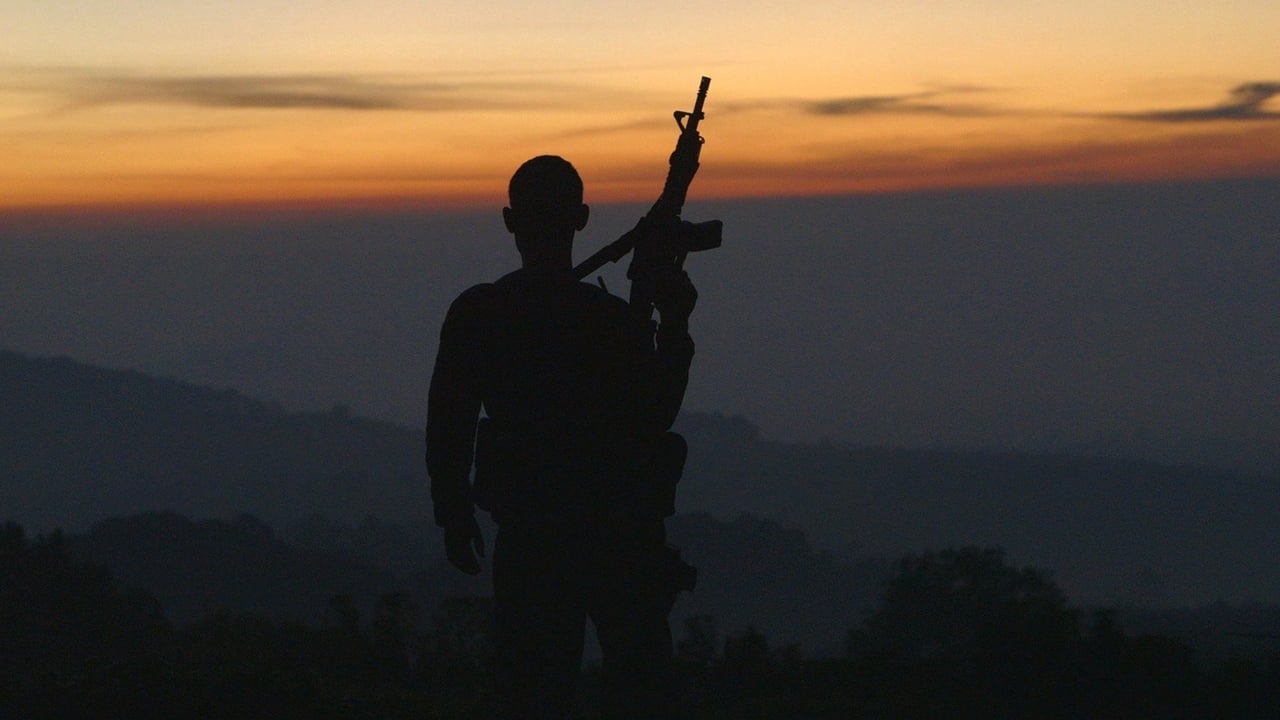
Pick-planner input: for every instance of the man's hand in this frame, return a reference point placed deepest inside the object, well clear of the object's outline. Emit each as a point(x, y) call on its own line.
point(463, 541)
point(674, 296)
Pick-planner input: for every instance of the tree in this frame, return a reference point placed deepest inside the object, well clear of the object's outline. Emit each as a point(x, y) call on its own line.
point(701, 644)
point(970, 635)
point(966, 603)
point(72, 641)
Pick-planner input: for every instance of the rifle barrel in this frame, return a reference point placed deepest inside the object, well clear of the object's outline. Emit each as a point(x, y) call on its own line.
point(702, 97)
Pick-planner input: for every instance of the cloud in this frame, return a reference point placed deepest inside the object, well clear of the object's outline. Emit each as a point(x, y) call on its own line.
point(920, 103)
point(937, 100)
point(315, 92)
point(1245, 102)
point(649, 124)
point(934, 101)
point(80, 89)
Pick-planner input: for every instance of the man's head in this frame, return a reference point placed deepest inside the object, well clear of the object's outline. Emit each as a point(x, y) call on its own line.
point(546, 207)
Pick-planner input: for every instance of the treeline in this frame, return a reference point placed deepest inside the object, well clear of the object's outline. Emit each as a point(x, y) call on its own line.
point(75, 643)
point(958, 634)
point(751, 570)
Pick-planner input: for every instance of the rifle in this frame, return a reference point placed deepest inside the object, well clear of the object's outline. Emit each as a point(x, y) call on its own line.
point(661, 239)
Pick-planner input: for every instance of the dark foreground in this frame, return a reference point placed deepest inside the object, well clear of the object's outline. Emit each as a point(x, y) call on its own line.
point(959, 635)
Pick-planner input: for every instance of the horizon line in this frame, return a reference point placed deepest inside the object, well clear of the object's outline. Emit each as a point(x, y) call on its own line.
point(216, 210)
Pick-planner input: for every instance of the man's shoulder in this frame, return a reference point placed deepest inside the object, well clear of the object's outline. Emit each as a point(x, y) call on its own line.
point(473, 302)
point(601, 309)
point(518, 297)
point(479, 292)
point(520, 285)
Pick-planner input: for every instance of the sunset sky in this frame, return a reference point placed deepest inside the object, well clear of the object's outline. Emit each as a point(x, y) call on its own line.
point(946, 224)
point(148, 102)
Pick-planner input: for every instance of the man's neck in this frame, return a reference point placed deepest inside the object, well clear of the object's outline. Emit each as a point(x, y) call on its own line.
point(549, 260)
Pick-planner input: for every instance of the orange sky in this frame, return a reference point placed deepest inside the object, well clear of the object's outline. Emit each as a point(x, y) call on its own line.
point(271, 101)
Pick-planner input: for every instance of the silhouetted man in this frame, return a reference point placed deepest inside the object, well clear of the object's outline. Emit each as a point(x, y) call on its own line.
point(578, 393)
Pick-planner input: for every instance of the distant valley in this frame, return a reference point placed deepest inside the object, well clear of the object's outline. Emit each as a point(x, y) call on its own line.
point(80, 444)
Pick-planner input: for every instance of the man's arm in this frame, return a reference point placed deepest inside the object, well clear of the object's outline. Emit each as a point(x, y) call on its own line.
point(453, 408)
point(674, 299)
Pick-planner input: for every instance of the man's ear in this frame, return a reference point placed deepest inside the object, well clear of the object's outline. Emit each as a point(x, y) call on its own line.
point(508, 219)
point(580, 218)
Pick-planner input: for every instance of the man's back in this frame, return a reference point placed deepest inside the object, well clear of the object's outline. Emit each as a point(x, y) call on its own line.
point(566, 377)
point(561, 354)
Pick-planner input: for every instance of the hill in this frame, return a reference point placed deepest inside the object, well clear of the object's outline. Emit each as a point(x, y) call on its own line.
point(1111, 530)
point(80, 443)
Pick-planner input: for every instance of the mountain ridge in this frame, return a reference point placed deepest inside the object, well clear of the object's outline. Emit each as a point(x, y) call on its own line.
point(79, 444)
